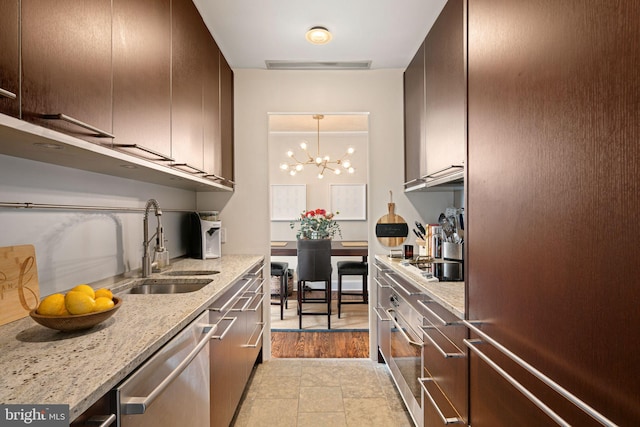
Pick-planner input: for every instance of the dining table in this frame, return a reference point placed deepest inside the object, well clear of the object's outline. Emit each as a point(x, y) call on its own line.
point(338, 248)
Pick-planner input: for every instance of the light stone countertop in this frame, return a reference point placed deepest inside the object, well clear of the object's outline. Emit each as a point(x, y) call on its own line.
point(450, 295)
point(45, 366)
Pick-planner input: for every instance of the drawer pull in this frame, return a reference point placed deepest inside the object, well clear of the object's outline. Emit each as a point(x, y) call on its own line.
point(188, 166)
point(445, 420)
point(377, 311)
point(259, 304)
point(101, 420)
point(402, 287)
point(380, 284)
point(437, 347)
point(438, 318)
point(215, 177)
point(440, 173)
point(77, 122)
point(161, 156)
point(223, 334)
point(536, 373)
point(7, 94)
point(233, 298)
point(401, 329)
point(255, 344)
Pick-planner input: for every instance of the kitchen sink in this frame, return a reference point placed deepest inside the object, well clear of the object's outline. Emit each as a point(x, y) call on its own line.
point(191, 273)
point(168, 286)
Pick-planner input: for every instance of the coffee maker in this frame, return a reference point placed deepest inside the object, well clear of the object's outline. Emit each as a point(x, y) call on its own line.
point(205, 235)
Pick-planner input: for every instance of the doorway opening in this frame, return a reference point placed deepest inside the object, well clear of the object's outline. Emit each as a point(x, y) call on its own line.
point(343, 194)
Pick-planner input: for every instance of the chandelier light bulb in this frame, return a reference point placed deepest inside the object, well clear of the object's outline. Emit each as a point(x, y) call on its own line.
point(337, 171)
point(299, 167)
point(327, 158)
point(346, 164)
point(351, 170)
point(303, 145)
point(292, 172)
point(350, 150)
point(284, 166)
point(318, 160)
point(289, 153)
point(320, 176)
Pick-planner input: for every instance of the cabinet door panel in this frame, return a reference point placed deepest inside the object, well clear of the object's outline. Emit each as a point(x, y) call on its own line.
point(187, 77)
point(211, 109)
point(553, 181)
point(142, 74)
point(66, 64)
point(414, 118)
point(445, 89)
point(226, 117)
point(9, 58)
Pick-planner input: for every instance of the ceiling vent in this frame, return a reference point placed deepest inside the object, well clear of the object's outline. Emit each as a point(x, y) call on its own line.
point(318, 65)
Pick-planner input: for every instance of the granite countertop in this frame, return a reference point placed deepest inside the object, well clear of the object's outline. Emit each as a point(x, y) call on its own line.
point(451, 295)
point(44, 366)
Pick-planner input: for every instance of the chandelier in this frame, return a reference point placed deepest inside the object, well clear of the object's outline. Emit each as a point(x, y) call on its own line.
point(323, 163)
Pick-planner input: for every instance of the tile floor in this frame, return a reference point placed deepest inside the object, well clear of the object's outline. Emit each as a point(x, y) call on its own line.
point(321, 393)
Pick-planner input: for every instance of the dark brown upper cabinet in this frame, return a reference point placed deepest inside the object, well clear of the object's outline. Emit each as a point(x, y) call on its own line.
point(445, 88)
point(188, 35)
point(211, 109)
point(226, 118)
point(414, 120)
point(435, 104)
point(9, 58)
point(66, 66)
point(142, 77)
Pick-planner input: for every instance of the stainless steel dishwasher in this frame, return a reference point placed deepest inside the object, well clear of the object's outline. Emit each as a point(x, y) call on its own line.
point(172, 387)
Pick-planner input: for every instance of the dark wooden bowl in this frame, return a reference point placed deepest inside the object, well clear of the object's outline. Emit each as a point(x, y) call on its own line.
point(76, 322)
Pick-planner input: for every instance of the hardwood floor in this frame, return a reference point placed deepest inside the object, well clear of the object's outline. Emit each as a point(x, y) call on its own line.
point(319, 344)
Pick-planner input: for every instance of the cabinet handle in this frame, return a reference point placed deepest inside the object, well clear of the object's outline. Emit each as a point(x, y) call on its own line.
point(259, 336)
point(437, 347)
point(223, 334)
point(101, 420)
point(233, 298)
point(186, 165)
point(402, 287)
point(536, 373)
point(139, 404)
point(244, 306)
point(146, 150)
point(436, 174)
point(445, 420)
point(7, 94)
point(262, 295)
point(380, 269)
point(412, 181)
point(215, 177)
point(380, 284)
point(404, 334)
point(438, 318)
point(77, 122)
point(377, 310)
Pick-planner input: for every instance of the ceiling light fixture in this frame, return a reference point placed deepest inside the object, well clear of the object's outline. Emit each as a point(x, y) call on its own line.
point(318, 35)
point(321, 162)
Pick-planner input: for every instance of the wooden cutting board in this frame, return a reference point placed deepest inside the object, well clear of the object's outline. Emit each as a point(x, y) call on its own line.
point(19, 289)
point(391, 218)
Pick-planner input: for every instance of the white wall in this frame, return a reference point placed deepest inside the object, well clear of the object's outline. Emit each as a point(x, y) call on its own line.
point(74, 247)
point(259, 92)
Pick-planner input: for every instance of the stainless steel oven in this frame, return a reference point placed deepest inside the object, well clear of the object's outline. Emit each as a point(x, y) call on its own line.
point(406, 343)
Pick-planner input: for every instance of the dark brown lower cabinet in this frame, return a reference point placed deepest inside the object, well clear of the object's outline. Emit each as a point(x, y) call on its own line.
point(552, 190)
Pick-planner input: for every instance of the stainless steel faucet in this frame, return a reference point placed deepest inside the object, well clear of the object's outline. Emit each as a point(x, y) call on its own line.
point(159, 235)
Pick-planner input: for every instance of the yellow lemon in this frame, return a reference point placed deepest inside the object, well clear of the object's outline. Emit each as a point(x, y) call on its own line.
point(103, 303)
point(79, 302)
point(85, 289)
point(103, 292)
point(52, 305)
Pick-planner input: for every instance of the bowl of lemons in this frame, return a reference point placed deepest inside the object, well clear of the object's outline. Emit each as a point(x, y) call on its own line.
point(80, 308)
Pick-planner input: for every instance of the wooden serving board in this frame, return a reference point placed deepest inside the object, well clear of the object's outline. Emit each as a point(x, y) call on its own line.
point(19, 289)
point(388, 219)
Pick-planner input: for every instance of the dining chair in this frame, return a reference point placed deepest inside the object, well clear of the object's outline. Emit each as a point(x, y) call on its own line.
point(314, 265)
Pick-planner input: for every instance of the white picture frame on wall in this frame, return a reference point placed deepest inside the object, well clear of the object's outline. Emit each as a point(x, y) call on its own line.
point(288, 201)
point(350, 200)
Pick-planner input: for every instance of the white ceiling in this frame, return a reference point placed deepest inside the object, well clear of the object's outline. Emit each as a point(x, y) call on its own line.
point(385, 32)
